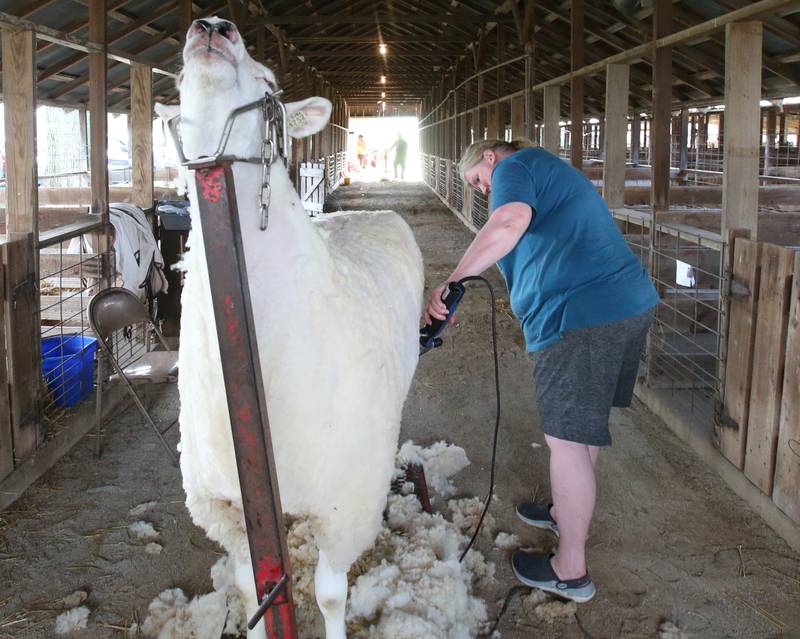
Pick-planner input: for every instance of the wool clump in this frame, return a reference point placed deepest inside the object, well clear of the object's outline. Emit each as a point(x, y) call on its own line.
point(72, 620)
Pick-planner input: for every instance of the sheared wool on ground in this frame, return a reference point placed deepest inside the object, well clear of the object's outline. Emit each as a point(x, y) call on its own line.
point(141, 509)
point(440, 461)
point(72, 620)
point(506, 541)
point(408, 585)
point(143, 531)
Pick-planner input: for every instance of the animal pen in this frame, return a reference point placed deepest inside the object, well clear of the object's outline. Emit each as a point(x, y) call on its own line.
point(684, 115)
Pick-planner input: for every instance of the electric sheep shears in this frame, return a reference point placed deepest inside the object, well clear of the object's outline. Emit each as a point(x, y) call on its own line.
point(429, 334)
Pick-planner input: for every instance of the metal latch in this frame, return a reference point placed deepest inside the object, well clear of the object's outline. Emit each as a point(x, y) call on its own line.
point(26, 288)
point(738, 289)
point(274, 591)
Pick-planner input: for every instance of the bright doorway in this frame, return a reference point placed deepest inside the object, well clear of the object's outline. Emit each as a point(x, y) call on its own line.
point(380, 135)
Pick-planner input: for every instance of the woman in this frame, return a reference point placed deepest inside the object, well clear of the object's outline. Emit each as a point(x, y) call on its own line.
point(584, 302)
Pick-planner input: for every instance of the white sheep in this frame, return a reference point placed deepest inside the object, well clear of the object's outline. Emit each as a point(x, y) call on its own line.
point(336, 304)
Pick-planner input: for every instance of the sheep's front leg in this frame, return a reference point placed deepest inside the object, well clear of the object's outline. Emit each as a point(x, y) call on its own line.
point(330, 589)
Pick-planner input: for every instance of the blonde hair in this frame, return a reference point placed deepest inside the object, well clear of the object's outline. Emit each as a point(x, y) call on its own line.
point(474, 152)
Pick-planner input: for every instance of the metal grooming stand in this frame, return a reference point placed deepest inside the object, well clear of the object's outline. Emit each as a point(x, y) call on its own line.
point(241, 371)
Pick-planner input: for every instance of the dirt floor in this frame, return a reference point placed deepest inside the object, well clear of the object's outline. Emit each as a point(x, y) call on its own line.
point(670, 542)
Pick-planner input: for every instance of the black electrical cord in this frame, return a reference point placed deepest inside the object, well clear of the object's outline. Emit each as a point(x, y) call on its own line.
point(478, 278)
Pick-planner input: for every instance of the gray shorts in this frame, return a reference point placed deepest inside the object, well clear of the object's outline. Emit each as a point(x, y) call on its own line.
point(580, 377)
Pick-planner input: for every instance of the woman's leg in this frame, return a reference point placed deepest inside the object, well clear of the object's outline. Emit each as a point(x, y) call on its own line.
point(573, 487)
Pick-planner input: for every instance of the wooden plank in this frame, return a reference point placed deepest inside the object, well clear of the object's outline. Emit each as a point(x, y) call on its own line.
point(617, 84)
point(732, 431)
point(743, 44)
point(142, 125)
point(576, 83)
point(769, 357)
point(6, 435)
point(22, 331)
point(19, 97)
point(786, 491)
point(552, 117)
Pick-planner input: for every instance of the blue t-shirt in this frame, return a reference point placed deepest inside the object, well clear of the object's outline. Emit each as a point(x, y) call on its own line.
point(571, 268)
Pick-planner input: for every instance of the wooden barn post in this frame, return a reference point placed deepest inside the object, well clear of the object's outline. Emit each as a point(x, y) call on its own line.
point(662, 109)
point(142, 123)
point(552, 118)
point(20, 391)
point(576, 83)
point(616, 130)
point(743, 117)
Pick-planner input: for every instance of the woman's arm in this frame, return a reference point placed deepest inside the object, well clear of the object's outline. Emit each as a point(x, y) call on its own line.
point(495, 240)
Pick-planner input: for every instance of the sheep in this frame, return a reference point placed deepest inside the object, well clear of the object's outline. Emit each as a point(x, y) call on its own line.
point(336, 304)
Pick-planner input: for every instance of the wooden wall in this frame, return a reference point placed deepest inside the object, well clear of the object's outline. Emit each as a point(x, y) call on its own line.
point(759, 429)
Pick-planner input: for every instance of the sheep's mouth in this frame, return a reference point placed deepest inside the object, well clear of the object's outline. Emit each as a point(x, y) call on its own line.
point(208, 49)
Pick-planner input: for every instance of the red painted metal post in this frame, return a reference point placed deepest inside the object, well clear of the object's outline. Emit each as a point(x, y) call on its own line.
point(241, 370)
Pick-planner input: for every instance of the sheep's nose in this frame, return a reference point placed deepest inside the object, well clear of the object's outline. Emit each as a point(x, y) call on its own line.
point(226, 30)
point(199, 26)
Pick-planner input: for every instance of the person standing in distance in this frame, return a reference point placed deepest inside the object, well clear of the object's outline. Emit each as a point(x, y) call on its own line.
point(585, 305)
point(400, 147)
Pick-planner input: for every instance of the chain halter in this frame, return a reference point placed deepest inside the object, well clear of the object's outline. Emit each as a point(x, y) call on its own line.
point(274, 144)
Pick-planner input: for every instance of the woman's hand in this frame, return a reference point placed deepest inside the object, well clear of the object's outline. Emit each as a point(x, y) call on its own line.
point(436, 308)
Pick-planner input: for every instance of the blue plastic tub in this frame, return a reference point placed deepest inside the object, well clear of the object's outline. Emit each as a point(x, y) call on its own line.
point(68, 367)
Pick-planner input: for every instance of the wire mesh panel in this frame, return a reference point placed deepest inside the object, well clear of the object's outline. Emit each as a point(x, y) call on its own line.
point(441, 177)
point(684, 346)
point(457, 196)
point(70, 273)
point(480, 208)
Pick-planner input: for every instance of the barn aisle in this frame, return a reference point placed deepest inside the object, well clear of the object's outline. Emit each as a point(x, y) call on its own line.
point(670, 540)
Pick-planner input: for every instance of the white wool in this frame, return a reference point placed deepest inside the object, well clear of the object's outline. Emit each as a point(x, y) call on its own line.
point(172, 616)
point(72, 620)
point(553, 611)
point(467, 514)
point(538, 605)
point(153, 548)
point(143, 531)
point(141, 509)
point(419, 589)
point(670, 630)
point(506, 541)
point(441, 461)
point(334, 394)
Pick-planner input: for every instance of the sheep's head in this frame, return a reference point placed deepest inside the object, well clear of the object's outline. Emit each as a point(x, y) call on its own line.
point(218, 76)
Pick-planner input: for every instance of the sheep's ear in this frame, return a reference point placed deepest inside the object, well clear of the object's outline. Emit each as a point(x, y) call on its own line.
point(307, 117)
point(166, 111)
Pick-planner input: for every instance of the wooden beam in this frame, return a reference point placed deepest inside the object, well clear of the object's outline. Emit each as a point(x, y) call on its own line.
point(616, 132)
point(743, 127)
point(19, 96)
point(662, 109)
point(136, 24)
point(396, 18)
point(576, 83)
point(185, 17)
point(142, 139)
point(552, 117)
